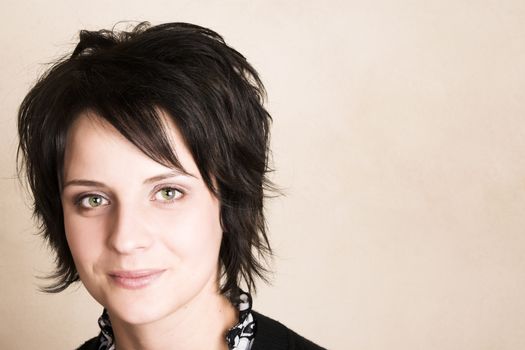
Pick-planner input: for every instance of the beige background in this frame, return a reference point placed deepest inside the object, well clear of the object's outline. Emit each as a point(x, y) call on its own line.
point(399, 137)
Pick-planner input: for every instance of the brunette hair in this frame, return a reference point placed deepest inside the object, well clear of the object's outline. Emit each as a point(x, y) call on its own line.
point(213, 95)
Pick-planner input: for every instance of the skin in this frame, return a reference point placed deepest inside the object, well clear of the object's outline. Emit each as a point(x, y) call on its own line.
point(126, 214)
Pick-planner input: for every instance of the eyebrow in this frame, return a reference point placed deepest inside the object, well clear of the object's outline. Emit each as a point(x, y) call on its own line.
point(171, 174)
point(174, 173)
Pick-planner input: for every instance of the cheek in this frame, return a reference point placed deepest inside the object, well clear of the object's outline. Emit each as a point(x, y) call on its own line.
point(84, 238)
point(194, 233)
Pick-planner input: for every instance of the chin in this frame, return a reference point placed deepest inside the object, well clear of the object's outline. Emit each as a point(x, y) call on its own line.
point(138, 312)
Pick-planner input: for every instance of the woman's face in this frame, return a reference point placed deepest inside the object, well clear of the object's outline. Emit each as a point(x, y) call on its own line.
point(145, 238)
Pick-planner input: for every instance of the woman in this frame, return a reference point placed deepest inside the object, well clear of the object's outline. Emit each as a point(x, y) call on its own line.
point(147, 153)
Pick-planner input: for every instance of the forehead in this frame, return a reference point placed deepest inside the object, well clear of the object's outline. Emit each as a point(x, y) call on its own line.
point(93, 144)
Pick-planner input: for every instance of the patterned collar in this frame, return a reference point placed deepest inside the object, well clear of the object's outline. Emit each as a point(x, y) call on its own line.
point(239, 337)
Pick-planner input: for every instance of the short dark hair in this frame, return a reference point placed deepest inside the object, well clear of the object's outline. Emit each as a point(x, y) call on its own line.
point(210, 91)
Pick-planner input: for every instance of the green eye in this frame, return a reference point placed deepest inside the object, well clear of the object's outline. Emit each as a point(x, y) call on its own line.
point(168, 194)
point(93, 201)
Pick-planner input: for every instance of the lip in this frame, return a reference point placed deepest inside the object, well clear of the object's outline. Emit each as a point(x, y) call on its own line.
point(135, 279)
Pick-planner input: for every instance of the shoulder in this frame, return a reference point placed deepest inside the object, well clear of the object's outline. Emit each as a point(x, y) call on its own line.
point(91, 344)
point(271, 334)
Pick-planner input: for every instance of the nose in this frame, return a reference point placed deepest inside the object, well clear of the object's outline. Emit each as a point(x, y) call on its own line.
point(129, 234)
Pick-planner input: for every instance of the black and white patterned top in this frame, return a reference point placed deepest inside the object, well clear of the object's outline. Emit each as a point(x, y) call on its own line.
point(239, 337)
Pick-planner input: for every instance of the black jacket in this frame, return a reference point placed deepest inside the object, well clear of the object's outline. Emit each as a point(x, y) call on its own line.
point(273, 335)
point(270, 335)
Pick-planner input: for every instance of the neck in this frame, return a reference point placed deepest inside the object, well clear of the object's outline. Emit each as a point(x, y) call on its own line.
point(201, 324)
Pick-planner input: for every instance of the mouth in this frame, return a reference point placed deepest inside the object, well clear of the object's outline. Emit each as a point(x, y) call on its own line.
point(135, 279)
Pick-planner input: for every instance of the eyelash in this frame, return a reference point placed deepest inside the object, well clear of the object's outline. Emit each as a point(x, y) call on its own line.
point(82, 197)
point(172, 188)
